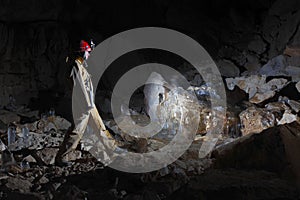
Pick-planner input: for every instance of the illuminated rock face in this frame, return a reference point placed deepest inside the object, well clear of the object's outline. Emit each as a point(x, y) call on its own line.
point(155, 92)
point(255, 120)
point(256, 86)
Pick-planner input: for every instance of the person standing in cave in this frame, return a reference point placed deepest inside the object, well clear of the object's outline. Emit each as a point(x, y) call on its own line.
point(74, 134)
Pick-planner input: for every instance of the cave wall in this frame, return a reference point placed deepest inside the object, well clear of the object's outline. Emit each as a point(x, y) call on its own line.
point(37, 36)
point(33, 48)
point(32, 58)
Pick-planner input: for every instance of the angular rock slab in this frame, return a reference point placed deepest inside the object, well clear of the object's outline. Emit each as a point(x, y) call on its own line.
point(255, 120)
point(256, 86)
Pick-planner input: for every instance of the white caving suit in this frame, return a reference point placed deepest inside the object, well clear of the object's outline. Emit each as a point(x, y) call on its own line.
point(89, 127)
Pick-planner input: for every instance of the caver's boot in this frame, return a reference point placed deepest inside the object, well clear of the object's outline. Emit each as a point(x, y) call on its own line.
point(69, 144)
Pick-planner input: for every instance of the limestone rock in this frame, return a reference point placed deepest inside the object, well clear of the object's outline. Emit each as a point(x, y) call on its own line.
point(257, 45)
point(295, 105)
point(255, 120)
point(73, 155)
point(260, 97)
point(292, 51)
point(3, 127)
point(16, 183)
point(294, 72)
point(29, 114)
point(283, 33)
point(47, 155)
point(197, 80)
point(8, 117)
point(228, 69)
point(293, 61)
point(30, 159)
point(253, 63)
point(287, 118)
point(2, 146)
point(50, 126)
point(279, 66)
point(43, 180)
point(227, 52)
point(38, 141)
point(256, 86)
point(61, 123)
point(275, 67)
point(276, 106)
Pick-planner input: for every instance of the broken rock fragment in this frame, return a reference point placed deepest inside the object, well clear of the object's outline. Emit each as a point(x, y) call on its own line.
point(8, 117)
point(257, 45)
point(38, 141)
point(256, 86)
point(30, 159)
point(46, 125)
point(287, 118)
point(255, 120)
point(61, 123)
point(19, 184)
point(7, 159)
point(47, 155)
point(277, 108)
point(295, 105)
point(279, 66)
point(292, 51)
point(50, 126)
point(73, 155)
point(228, 69)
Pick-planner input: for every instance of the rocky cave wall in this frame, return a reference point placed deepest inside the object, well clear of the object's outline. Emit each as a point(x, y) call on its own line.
point(36, 36)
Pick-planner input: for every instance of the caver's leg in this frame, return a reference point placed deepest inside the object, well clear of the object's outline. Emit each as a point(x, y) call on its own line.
point(97, 139)
point(72, 138)
point(94, 114)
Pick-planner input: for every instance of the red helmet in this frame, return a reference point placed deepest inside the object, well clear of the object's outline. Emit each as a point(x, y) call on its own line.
point(84, 46)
